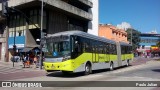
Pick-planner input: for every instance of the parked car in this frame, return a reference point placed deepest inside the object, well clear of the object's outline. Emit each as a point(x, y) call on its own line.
point(15, 58)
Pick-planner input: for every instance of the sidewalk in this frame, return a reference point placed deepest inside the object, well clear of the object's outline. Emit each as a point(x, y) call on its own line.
point(17, 65)
point(10, 64)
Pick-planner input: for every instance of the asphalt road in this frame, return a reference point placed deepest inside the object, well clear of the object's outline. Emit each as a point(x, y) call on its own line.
point(8, 72)
point(149, 70)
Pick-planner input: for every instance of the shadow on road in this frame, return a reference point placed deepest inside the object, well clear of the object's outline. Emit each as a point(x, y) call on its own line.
point(108, 70)
point(156, 70)
point(72, 75)
point(61, 75)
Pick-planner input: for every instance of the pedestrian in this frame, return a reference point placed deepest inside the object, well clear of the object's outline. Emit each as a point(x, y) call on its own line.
point(26, 61)
point(35, 61)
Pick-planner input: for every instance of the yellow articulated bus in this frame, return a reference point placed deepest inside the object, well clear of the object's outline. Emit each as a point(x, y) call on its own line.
point(77, 51)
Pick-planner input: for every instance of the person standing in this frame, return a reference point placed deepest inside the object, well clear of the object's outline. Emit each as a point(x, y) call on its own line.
point(28, 60)
point(25, 61)
point(35, 61)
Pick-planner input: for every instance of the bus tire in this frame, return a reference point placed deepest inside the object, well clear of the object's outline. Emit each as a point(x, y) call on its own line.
point(87, 69)
point(127, 63)
point(111, 66)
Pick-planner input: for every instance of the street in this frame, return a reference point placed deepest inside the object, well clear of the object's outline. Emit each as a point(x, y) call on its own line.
point(140, 70)
point(88, 44)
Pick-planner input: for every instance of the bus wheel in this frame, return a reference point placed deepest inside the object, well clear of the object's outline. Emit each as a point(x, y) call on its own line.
point(87, 69)
point(111, 66)
point(127, 63)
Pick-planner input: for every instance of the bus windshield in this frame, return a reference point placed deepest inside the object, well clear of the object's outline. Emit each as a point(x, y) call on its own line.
point(57, 49)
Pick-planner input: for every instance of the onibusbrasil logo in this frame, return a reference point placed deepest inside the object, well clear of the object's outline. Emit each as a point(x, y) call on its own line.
point(21, 84)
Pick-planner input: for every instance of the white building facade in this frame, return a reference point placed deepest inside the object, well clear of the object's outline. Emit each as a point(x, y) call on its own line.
point(95, 20)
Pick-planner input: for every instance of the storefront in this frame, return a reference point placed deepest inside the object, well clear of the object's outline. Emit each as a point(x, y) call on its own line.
point(146, 52)
point(155, 51)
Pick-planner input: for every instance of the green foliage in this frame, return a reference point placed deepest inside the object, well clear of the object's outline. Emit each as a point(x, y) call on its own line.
point(158, 44)
point(135, 34)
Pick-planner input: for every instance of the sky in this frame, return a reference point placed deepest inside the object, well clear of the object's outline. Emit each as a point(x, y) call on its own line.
point(142, 15)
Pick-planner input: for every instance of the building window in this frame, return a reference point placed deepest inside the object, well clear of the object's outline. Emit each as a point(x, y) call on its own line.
point(16, 25)
point(112, 33)
point(19, 33)
point(143, 46)
point(11, 34)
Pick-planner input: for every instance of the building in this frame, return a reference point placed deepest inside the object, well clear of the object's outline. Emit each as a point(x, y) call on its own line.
point(58, 15)
point(111, 32)
point(2, 38)
point(93, 25)
point(148, 44)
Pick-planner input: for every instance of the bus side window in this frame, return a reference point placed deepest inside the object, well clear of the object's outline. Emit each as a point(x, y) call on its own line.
point(75, 47)
point(72, 44)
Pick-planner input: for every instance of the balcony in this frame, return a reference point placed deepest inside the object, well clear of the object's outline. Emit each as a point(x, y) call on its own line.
point(55, 3)
point(87, 2)
point(69, 8)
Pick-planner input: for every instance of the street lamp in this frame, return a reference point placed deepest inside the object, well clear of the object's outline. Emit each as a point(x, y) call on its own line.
point(38, 41)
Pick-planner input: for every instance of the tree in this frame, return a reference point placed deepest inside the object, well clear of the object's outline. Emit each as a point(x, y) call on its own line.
point(158, 44)
point(135, 36)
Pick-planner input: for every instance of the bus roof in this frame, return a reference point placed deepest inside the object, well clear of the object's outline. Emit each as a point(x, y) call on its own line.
point(83, 34)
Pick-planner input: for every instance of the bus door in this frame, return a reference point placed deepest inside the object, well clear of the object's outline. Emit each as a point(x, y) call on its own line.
point(94, 54)
point(107, 59)
point(104, 55)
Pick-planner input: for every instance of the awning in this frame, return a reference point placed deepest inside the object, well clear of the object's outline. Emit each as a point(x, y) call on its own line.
point(148, 51)
point(26, 49)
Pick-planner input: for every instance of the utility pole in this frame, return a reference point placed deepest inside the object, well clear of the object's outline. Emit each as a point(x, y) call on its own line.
point(41, 45)
point(131, 36)
point(14, 45)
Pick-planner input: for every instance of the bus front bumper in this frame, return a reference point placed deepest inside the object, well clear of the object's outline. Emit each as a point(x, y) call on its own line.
point(60, 66)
